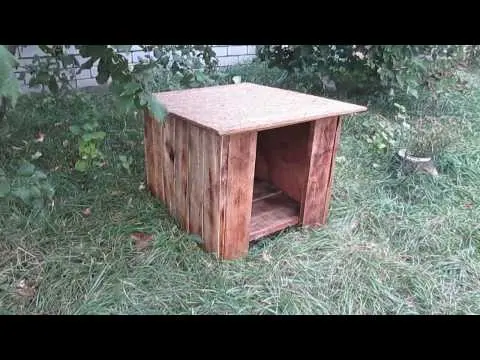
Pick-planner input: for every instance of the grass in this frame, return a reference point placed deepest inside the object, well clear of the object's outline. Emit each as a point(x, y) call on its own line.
point(394, 244)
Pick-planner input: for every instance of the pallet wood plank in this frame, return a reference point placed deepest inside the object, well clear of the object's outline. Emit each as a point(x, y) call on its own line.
point(180, 170)
point(272, 213)
point(196, 179)
point(211, 192)
point(168, 150)
point(321, 152)
point(157, 137)
point(239, 195)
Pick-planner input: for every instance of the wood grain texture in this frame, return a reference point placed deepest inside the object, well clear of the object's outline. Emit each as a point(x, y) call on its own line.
point(263, 190)
point(239, 195)
point(211, 192)
point(181, 167)
point(157, 145)
point(321, 153)
point(168, 151)
point(336, 145)
point(238, 108)
point(272, 211)
point(196, 179)
point(282, 158)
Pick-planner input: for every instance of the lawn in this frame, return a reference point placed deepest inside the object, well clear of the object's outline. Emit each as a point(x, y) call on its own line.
point(395, 242)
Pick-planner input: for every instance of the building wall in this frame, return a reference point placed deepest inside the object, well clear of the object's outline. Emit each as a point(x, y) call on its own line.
point(227, 55)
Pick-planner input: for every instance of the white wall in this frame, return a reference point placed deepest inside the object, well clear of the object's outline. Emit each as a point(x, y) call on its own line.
point(227, 55)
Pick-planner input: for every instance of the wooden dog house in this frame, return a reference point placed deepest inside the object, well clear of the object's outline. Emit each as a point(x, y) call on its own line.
point(238, 162)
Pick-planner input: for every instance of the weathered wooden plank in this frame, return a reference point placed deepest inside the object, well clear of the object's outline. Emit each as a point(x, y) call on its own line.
point(263, 190)
point(272, 214)
point(211, 195)
point(239, 195)
point(196, 179)
point(336, 145)
point(168, 163)
point(180, 170)
point(224, 159)
point(157, 141)
point(321, 152)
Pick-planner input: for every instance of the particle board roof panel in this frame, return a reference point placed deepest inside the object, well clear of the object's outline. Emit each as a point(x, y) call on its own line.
point(236, 108)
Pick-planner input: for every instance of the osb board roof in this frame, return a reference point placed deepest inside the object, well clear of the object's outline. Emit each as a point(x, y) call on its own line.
point(236, 108)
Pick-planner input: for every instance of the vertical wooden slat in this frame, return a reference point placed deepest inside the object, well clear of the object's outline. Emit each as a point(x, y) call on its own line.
point(168, 150)
point(321, 152)
point(196, 183)
point(224, 151)
point(211, 195)
point(157, 141)
point(180, 169)
point(332, 167)
point(239, 195)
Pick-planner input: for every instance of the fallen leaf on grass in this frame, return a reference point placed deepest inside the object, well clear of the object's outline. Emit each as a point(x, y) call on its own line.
point(39, 137)
point(141, 240)
point(354, 225)
point(468, 206)
point(25, 290)
point(266, 256)
point(87, 211)
point(36, 155)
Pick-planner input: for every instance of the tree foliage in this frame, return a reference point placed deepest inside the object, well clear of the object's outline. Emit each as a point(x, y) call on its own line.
point(131, 83)
point(392, 69)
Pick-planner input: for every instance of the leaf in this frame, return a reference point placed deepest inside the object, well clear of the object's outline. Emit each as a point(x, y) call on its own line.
point(37, 155)
point(23, 193)
point(158, 109)
point(68, 60)
point(200, 77)
point(141, 240)
point(4, 187)
point(26, 169)
point(92, 50)
point(131, 88)
point(53, 85)
point(39, 174)
point(98, 135)
point(75, 129)
point(87, 137)
point(39, 137)
point(103, 71)
point(87, 212)
point(414, 93)
point(25, 290)
point(81, 165)
point(87, 64)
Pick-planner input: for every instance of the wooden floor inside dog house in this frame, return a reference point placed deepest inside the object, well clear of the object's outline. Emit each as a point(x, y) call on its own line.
point(280, 175)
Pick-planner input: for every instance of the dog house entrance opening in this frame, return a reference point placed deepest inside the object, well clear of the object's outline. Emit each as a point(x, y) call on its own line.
point(280, 174)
